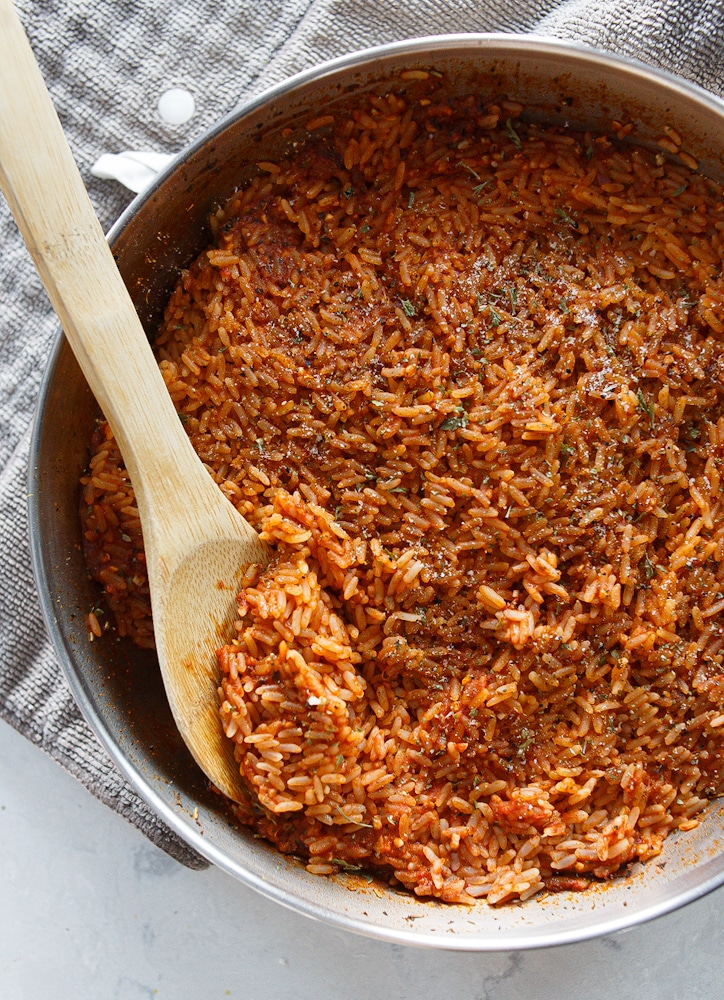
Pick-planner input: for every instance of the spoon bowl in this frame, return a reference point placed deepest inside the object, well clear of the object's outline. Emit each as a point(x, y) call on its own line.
point(197, 545)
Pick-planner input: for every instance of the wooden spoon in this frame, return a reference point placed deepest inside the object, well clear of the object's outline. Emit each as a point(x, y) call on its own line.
point(197, 545)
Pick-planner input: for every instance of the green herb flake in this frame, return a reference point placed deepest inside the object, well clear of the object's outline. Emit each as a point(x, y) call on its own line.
point(646, 407)
point(411, 199)
point(649, 568)
point(562, 214)
point(407, 307)
point(679, 190)
point(495, 318)
point(350, 820)
point(345, 866)
point(466, 166)
point(512, 134)
point(454, 421)
point(526, 742)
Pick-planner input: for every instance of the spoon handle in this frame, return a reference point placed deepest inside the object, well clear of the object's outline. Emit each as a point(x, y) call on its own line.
point(197, 545)
point(44, 189)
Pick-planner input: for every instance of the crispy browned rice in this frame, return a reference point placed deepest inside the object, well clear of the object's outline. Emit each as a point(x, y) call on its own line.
point(466, 374)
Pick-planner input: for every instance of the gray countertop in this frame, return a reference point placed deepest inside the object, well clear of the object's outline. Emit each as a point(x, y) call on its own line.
point(90, 909)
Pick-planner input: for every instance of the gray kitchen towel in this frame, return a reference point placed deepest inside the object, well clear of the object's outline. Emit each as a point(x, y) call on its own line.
point(107, 63)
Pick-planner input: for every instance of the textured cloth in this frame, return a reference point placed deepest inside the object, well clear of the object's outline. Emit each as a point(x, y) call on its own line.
point(106, 65)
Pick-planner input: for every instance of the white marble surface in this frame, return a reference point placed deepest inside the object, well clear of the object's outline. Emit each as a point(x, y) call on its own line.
point(90, 909)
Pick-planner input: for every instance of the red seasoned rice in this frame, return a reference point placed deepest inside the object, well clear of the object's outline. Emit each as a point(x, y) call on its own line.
point(465, 374)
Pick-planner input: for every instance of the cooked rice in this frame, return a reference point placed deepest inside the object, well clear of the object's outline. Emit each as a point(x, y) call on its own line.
point(465, 374)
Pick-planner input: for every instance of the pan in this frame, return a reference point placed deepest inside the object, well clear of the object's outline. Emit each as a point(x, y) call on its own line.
point(118, 686)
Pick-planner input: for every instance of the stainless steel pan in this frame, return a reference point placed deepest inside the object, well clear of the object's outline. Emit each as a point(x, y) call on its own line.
point(118, 687)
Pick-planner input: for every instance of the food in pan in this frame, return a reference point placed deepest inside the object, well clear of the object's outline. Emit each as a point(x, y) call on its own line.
point(464, 372)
